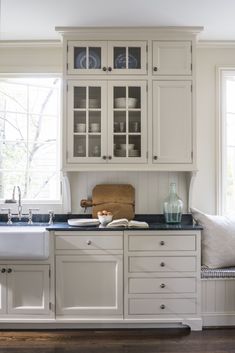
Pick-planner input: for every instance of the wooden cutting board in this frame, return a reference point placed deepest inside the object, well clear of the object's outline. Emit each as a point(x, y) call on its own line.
point(116, 198)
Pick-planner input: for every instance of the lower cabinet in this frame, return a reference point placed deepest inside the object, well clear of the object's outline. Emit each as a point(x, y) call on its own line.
point(24, 289)
point(162, 276)
point(89, 285)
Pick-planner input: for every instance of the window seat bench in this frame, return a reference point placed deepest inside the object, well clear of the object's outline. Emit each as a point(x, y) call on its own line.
point(218, 296)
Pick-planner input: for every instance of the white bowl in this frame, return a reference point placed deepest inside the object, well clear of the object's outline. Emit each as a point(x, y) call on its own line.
point(121, 102)
point(92, 103)
point(80, 127)
point(105, 219)
point(130, 146)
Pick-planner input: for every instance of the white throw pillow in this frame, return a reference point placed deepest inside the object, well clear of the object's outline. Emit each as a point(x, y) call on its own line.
point(218, 239)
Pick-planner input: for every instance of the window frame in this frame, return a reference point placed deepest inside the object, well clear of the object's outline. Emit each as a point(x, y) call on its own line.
point(45, 205)
point(220, 142)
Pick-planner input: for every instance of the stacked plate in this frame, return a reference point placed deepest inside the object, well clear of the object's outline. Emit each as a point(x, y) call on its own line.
point(134, 153)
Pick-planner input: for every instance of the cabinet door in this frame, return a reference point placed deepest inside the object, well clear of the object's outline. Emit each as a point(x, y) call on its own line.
point(87, 113)
point(127, 122)
point(172, 122)
point(28, 289)
point(127, 57)
point(89, 285)
point(87, 57)
point(3, 290)
point(172, 58)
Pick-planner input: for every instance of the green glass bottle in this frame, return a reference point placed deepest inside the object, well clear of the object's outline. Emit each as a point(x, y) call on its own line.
point(173, 206)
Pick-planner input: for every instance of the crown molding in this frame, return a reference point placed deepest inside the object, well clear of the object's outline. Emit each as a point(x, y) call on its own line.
point(30, 43)
point(216, 44)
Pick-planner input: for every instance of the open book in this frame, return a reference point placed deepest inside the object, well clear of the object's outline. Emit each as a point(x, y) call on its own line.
point(123, 222)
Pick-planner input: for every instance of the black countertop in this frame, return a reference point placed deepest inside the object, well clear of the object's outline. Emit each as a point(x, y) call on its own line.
point(152, 226)
point(156, 222)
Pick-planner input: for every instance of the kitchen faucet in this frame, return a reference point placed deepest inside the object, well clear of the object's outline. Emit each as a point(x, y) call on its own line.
point(19, 201)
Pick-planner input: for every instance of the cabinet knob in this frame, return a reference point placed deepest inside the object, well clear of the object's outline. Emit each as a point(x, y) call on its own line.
point(155, 68)
point(109, 68)
point(3, 270)
point(109, 157)
point(162, 306)
point(88, 242)
point(155, 157)
point(162, 242)
point(9, 270)
point(162, 285)
point(104, 157)
point(104, 68)
point(162, 264)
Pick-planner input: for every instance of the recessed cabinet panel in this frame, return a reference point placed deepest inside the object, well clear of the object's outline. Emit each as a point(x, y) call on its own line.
point(89, 285)
point(28, 289)
point(87, 57)
point(172, 58)
point(172, 122)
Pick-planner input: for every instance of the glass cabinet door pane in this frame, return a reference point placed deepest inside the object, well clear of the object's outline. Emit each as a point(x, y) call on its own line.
point(127, 57)
point(127, 121)
point(87, 122)
point(87, 58)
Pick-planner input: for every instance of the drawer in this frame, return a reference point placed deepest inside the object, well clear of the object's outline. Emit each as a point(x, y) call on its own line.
point(162, 243)
point(162, 263)
point(174, 307)
point(89, 242)
point(161, 285)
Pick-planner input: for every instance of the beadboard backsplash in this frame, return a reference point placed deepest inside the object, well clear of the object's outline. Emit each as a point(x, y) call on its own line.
point(151, 188)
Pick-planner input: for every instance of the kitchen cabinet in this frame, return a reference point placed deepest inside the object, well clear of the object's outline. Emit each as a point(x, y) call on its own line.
point(172, 122)
point(106, 57)
point(172, 58)
point(25, 289)
point(89, 275)
point(112, 130)
point(162, 276)
point(154, 65)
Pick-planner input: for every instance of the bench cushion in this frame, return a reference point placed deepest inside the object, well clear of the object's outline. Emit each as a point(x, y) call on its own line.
point(228, 272)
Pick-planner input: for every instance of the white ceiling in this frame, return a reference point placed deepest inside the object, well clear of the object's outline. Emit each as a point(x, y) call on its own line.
point(36, 19)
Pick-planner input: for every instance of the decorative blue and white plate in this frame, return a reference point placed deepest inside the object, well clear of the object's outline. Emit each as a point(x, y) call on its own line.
point(120, 62)
point(93, 60)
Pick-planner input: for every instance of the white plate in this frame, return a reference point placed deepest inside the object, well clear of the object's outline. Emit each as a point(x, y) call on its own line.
point(83, 222)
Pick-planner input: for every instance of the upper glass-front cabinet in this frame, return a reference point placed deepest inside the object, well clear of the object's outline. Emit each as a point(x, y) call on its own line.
point(100, 57)
point(106, 122)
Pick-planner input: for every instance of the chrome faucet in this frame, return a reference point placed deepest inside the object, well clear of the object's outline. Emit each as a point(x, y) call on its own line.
point(19, 201)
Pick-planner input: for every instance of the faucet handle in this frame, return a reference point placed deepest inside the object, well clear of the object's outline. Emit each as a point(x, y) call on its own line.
point(51, 216)
point(9, 214)
point(30, 221)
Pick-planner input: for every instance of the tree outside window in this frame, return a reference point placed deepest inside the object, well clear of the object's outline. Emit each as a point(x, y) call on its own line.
point(29, 137)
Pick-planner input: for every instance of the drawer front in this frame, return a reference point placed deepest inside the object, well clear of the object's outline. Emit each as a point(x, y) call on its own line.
point(162, 243)
point(174, 307)
point(161, 264)
point(89, 242)
point(161, 285)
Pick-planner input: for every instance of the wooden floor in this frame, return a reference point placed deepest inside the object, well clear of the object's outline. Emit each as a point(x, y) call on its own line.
point(119, 341)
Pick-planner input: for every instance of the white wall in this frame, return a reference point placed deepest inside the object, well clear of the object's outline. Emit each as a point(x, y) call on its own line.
point(208, 59)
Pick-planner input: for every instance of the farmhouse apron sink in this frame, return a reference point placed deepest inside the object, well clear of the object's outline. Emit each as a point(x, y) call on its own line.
point(24, 243)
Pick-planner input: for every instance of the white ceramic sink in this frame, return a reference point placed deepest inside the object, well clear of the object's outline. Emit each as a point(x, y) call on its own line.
point(24, 243)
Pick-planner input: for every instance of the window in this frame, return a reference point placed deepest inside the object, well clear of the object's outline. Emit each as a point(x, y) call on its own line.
point(227, 142)
point(29, 138)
